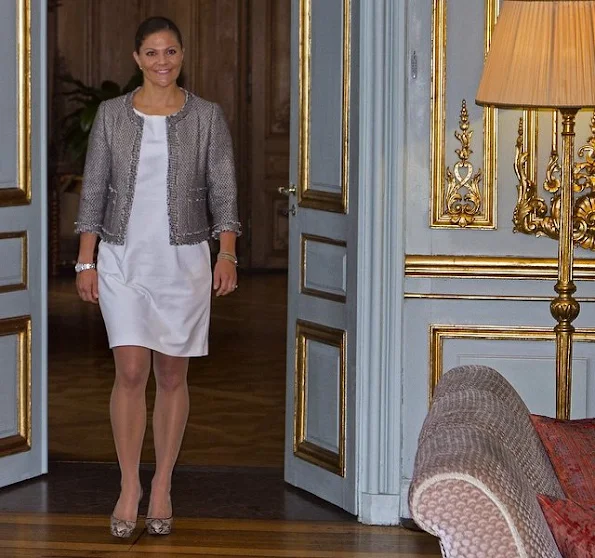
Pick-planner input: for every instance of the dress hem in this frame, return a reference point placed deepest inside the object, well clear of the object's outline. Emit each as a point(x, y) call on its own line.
point(152, 347)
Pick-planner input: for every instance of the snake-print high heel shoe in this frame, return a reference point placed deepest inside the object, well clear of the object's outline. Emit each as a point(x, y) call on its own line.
point(157, 526)
point(122, 528)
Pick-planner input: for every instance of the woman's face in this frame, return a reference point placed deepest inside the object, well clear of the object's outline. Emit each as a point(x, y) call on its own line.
point(160, 58)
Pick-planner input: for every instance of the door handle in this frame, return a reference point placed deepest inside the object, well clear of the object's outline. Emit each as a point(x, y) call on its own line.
point(287, 190)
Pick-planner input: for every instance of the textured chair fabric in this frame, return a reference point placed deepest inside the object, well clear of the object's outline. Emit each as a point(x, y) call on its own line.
point(478, 469)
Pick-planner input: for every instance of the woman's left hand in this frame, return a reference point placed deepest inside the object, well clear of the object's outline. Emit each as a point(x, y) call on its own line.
point(225, 278)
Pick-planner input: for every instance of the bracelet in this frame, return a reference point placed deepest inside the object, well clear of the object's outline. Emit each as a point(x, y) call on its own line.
point(227, 256)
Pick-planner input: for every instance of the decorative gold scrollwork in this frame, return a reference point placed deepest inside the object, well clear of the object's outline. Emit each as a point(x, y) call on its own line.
point(533, 215)
point(531, 212)
point(463, 195)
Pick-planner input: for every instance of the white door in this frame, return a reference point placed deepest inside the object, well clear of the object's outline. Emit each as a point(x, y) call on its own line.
point(320, 409)
point(23, 409)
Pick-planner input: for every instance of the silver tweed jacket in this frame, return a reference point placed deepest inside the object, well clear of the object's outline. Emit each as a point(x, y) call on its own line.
point(201, 187)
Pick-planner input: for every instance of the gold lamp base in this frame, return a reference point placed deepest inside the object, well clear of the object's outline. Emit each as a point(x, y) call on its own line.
point(565, 308)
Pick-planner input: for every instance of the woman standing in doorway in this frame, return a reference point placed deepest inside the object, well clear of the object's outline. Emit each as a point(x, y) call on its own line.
point(159, 180)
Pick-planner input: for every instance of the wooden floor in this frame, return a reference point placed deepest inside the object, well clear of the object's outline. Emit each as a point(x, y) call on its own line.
point(62, 536)
point(236, 419)
point(237, 413)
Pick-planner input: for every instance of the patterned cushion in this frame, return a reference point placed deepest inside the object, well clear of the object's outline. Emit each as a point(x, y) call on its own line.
point(570, 445)
point(572, 525)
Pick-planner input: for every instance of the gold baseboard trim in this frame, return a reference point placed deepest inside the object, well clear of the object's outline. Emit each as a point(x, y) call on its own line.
point(493, 267)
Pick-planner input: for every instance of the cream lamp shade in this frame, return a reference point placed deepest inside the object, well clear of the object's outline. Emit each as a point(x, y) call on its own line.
point(542, 55)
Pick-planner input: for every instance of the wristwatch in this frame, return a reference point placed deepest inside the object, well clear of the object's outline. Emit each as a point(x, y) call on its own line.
point(83, 266)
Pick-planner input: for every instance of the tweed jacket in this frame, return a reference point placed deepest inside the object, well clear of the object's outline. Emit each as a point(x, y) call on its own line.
point(201, 187)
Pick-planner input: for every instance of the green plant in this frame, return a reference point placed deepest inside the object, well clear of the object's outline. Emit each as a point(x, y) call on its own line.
point(77, 124)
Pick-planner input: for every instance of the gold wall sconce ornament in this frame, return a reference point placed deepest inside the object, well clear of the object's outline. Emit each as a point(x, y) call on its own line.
point(462, 197)
point(533, 215)
point(543, 56)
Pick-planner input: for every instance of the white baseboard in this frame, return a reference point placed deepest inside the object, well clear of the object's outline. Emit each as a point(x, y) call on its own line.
point(379, 509)
point(405, 484)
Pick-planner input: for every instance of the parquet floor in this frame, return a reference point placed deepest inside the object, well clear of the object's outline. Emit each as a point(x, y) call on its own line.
point(236, 419)
point(237, 392)
point(62, 536)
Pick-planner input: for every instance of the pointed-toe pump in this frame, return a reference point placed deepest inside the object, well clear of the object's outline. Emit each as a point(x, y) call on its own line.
point(157, 526)
point(121, 528)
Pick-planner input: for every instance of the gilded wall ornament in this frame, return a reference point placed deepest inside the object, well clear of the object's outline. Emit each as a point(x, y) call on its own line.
point(533, 215)
point(441, 215)
point(463, 195)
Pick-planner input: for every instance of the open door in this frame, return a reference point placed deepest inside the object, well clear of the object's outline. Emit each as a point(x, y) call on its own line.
point(23, 298)
point(320, 450)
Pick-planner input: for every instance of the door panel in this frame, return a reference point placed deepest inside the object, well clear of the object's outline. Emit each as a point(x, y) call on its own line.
point(320, 451)
point(476, 292)
point(23, 437)
point(269, 132)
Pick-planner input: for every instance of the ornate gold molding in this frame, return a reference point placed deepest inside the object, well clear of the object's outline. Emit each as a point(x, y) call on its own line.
point(307, 196)
point(302, 447)
point(492, 267)
point(533, 214)
point(20, 194)
point(439, 333)
point(463, 195)
point(21, 441)
point(519, 298)
point(440, 215)
point(22, 284)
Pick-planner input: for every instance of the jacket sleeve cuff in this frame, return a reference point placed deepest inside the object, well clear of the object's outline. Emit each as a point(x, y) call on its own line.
point(87, 227)
point(231, 226)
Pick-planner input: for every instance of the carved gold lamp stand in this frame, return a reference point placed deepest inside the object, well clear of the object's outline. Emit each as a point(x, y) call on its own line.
point(570, 220)
point(542, 55)
point(564, 307)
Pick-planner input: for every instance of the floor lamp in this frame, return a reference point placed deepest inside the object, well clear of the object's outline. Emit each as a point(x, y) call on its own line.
point(542, 55)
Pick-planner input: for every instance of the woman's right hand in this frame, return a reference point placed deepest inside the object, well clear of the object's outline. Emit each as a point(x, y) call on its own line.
point(87, 285)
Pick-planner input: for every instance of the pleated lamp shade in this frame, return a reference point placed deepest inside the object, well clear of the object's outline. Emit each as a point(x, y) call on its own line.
point(542, 55)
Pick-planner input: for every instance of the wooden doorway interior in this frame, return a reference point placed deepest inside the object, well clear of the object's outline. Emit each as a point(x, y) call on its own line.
point(237, 54)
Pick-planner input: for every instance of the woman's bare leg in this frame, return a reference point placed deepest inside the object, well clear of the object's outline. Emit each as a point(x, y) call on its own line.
point(169, 422)
point(128, 411)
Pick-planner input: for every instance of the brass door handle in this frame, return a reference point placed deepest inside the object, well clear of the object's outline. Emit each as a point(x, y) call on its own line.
point(287, 190)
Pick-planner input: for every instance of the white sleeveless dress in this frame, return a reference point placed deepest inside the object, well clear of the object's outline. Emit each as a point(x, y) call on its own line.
point(153, 294)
